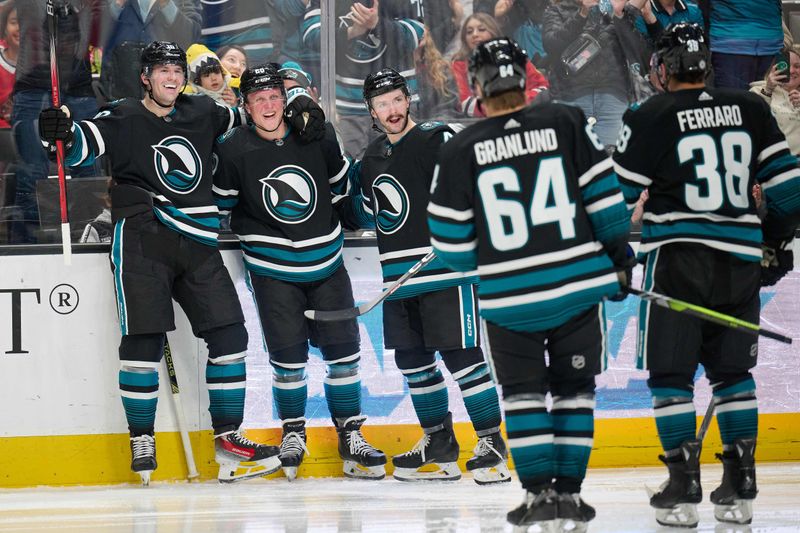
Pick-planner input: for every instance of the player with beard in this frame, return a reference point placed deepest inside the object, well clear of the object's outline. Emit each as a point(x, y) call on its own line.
point(283, 196)
point(165, 246)
point(437, 309)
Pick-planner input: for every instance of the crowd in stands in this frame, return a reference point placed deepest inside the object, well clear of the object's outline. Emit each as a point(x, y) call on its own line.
point(594, 54)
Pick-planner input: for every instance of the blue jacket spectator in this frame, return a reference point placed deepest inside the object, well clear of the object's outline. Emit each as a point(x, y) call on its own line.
point(658, 14)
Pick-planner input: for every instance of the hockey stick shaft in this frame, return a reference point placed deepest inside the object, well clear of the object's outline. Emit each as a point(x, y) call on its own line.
point(346, 314)
point(66, 239)
point(701, 433)
point(679, 306)
point(179, 415)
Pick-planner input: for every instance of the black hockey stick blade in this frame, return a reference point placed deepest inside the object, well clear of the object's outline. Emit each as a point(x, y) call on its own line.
point(716, 317)
point(353, 312)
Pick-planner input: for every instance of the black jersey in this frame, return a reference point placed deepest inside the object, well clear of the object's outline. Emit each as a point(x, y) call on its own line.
point(699, 152)
point(168, 157)
point(395, 182)
point(283, 197)
point(531, 200)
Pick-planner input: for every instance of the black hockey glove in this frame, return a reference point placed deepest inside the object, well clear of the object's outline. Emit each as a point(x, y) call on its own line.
point(776, 262)
point(55, 125)
point(304, 115)
point(625, 274)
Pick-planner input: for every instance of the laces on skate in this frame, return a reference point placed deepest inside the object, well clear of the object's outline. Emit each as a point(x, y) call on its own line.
point(489, 464)
point(240, 458)
point(143, 456)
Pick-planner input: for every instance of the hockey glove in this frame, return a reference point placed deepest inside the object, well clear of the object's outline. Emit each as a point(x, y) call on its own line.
point(55, 125)
point(625, 274)
point(776, 262)
point(304, 115)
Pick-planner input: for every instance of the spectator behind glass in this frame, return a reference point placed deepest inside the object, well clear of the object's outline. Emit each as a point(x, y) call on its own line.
point(207, 76)
point(78, 25)
point(522, 20)
point(744, 35)
point(245, 23)
point(477, 28)
point(782, 90)
point(600, 86)
point(234, 60)
point(135, 23)
point(435, 83)
point(658, 14)
point(289, 17)
point(9, 50)
point(370, 35)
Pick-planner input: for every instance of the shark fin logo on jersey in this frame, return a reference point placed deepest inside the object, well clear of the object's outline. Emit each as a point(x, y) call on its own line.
point(289, 194)
point(391, 204)
point(177, 164)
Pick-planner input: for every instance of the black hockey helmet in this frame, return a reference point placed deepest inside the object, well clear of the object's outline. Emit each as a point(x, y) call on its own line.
point(163, 53)
point(260, 77)
point(498, 66)
point(682, 49)
point(384, 81)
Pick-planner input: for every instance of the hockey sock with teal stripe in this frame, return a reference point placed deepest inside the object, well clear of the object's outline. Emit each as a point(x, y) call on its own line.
point(737, 410)
point(343, 390)
point(530, 438)
point(675, 417)
point(573, 436)
point(428, 395)
point(480, 398)
point(226, 391)
point(289, 391)
point(139, 389)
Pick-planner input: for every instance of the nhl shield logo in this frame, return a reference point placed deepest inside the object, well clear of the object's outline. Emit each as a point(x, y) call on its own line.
point(391, 204)
point(289, 194)
point(177, 164)
point(578, 362)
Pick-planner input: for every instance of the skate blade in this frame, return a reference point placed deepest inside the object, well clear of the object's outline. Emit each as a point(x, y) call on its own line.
point(740, 512)
point(234, 472)
point(290, 472)
point(145, 477)
point(356, 471)
point(571, 526)
point(489, 476)
point(445, 472)
point(682, 515)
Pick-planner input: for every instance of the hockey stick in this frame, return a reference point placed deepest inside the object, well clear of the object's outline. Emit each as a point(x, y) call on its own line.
point(701, 433)
point(66, 239)
point(179, 416)
point(679, 306)
point(353, 312)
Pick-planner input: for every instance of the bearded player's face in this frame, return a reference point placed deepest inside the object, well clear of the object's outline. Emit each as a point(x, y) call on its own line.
point(391, 111)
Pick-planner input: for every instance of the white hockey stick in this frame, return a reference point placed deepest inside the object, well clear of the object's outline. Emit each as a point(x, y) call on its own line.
point(353, 312)
point(179, 416)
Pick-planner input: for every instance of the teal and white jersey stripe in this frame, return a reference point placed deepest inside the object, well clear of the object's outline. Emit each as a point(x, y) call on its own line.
point(433, 277)
point(298, 261)
point(116, 262)
point(198, 223)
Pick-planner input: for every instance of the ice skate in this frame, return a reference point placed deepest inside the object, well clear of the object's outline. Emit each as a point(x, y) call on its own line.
point(537, 512)
point(293, 446)
point(488, 465)
point(361, 460)
point(439, 448)
point(573, 513)
point(240, 458)
point(143, 456)
point(677, 498)
point(733, 499)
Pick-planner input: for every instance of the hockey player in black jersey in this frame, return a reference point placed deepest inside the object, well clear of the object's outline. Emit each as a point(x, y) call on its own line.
point(529, 198)
point(165, 246)
point(437, 309)
point(283, 196)
point(699, 152)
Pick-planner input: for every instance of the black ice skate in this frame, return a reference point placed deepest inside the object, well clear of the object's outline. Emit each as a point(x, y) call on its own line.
point(573, 513)
point(240, 458)
point(539, 508)
point(143, 456)
point(439, 447)
point(488, 465)
point(293, 446)
point(361, 459)
point(733, 499)
point(676, 501)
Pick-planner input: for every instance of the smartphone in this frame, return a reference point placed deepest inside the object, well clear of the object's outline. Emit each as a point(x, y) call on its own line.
point(782, 63)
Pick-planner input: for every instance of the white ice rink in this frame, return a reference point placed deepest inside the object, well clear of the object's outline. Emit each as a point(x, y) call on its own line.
point(339, 505)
